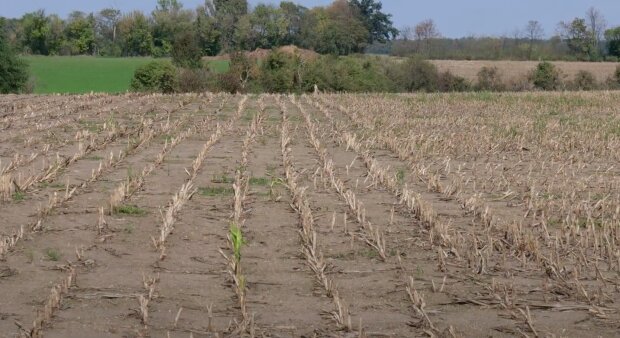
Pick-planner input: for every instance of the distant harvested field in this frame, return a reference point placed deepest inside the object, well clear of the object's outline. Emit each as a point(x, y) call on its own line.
point(514, 69)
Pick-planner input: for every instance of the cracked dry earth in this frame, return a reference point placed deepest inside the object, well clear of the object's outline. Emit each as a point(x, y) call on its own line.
point(216, 215)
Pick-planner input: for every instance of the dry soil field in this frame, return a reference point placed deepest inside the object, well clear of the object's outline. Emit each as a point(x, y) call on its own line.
point(511, 70)
point(468, 215)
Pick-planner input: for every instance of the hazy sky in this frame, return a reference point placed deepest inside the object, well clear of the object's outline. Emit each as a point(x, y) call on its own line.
point(454, 18)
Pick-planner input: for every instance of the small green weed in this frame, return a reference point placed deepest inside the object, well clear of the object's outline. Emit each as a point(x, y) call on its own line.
point(369, 253)
point(53, 254)
point(236, 239)
point(264, 181)
point(18, 196)
point(132, 210)
point(216, 191)
point(223, 178)
point(400, 176)
point(44, 185)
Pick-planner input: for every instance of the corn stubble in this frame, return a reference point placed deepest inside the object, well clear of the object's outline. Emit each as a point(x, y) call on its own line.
point(534, 177)
point(313, 255)
point(238, 217)
point(569, 215)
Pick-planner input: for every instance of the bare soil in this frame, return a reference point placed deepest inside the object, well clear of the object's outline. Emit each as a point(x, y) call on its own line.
point(512, 70)
point(69, 270)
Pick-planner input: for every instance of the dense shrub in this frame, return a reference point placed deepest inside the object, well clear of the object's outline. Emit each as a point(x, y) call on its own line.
point(448, 82)
point(489, 78)
point(417, 75)
point(186, 51)
point(281, 73)
point(613, 81)
point(546, 76)
point(584, 80)
point(345, 74)
point(156, 76)
point(241, 76)
point(13, 71)
point(520, 83)
point(193, 80)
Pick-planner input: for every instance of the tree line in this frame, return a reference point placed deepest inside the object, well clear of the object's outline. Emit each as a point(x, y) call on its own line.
point(341, 28)
point(587, 38)
point(344, 27)
point(283, 71)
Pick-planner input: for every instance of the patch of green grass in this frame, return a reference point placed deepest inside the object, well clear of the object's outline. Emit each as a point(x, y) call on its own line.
point(94, 158)
point(369, 253)
point(224, 179)
point(18, 196)
point(264, 181)
point(342, 256)
point(132, 210)
point(400, 176)
point(44, 185)
point(53, 254)
point(83, 74)
point(549, 196)
point(216, 191)
point(218, 66)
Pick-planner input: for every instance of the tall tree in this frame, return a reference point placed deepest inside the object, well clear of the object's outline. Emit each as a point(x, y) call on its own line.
point(579, 39)
point(596, 25)
point(234, 8)
point(425, 32)
point(612, 36)
point(13, 71)
point(168, 6)
point(533, 32)
point(269, 27)
point(135, 34)
point(80, 33)
point(338, 29)
point(293, 15)
point(56, 37)
point(407, 33)
point(186, 51)
point(36, 31)
point(106, 30)
point(207, 32)
point(228, 13)
point(378, 24)
point(169, 20)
